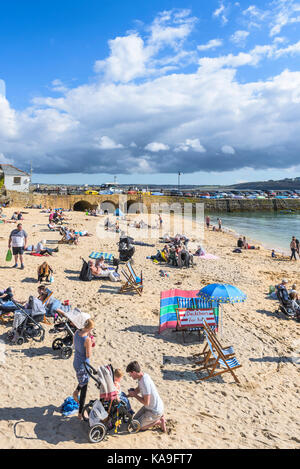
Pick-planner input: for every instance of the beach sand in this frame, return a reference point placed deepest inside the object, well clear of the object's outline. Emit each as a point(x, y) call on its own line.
point(261, 412)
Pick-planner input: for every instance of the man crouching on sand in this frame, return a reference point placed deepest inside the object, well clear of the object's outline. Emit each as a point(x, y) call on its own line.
point(153, 409)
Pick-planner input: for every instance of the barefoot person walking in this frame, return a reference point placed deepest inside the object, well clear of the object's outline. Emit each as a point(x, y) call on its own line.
point(18, 241)
point(146, 393)
point(293, 247)
point(83, 350)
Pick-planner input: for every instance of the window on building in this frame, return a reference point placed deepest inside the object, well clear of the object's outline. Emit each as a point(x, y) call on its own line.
point(17, 180)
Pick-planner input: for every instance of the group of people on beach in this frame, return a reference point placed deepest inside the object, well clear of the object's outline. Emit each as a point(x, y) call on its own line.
point(152, 411)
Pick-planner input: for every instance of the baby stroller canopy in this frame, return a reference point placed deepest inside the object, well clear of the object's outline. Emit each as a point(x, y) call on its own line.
point(77, 317)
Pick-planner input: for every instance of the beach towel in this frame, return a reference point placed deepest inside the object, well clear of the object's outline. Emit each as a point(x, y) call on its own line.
point(208, 256)
point(108, 389)
point(169, 301)
point(37, 254)
point(97, 255)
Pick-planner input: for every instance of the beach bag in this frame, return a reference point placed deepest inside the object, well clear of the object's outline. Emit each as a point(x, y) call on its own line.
point(97, 414)
point(8, 256)
point(85, 273)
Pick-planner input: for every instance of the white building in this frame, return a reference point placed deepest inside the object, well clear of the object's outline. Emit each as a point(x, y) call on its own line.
point(14, 179)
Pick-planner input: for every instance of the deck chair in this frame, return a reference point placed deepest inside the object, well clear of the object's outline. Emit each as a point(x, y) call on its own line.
point(133, 282)
point(214, 358)
point(64, 240)
point(45, 302)
point(135, 278)
point(227, 351)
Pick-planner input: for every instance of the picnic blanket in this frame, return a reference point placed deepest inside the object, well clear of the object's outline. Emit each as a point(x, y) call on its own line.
point(208, 256)
point(169, 300)
point(108, 389)
point(97, 255)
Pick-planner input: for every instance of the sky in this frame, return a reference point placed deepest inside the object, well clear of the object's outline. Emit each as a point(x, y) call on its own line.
point(94, 89)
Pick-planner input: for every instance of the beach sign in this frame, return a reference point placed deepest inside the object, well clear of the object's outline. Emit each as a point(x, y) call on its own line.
point(194, 317)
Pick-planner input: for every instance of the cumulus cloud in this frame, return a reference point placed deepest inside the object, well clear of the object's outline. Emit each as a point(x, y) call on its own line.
point(228, 150)
point(212, 44)
point(156, 146)
point(239, 38)
point(106, 143)
point(154, 115)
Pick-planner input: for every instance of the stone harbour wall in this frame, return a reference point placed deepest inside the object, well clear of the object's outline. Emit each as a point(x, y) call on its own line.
point(133, 202)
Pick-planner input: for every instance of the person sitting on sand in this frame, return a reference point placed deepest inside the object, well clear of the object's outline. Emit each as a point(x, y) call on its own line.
point(295, 305)
point(273, 255)
point(152, 412)
point(240, 243)
point(118, 375)
point(200, 251)
point(293, 291)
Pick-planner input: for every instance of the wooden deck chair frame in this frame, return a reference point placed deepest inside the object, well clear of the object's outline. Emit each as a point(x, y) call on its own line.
point(228, 351)
point(133, 276)
point(129, 285)
point(45, 320)
point(212, 360)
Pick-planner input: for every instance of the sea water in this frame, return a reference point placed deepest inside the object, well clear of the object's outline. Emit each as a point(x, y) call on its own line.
point(273, 230)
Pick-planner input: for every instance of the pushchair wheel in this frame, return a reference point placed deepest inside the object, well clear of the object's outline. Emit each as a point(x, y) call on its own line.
point(20, 341)
point(66, 352)
point(134, 426)
point(57, 344)
point(97, 433)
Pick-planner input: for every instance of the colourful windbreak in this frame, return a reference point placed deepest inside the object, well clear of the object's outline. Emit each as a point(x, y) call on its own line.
point(170, 299)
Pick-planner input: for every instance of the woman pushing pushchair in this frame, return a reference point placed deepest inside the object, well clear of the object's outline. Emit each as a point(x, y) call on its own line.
point(82, 355)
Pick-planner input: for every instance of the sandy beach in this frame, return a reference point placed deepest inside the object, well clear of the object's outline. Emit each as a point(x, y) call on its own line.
point(261, 412)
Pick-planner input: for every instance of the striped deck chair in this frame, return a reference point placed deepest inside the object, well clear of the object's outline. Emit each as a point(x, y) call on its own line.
point(216, 358)
point(45, 302)
point(105, 255)
point(133, 282)
point(227, 351)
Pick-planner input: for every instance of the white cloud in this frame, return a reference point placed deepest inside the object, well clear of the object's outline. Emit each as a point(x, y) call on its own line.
point(221, 13)
point(106, 143)
point(156, 146)
point(239, 38)
point(212, 44)
point(127, 59)
point(191, 144)
point(228, 150)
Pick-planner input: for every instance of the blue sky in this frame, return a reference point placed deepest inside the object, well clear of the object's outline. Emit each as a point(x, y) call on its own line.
point(92, 89)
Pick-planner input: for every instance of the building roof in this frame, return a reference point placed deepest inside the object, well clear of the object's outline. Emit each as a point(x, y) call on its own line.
point(11, 170)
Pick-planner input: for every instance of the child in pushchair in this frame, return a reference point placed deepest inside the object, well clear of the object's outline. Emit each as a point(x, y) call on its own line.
point(109, 412)
point(26, 322)
point(68, 321)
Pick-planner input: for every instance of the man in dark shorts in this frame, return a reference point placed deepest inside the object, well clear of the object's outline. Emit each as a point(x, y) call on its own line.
point(18, 242)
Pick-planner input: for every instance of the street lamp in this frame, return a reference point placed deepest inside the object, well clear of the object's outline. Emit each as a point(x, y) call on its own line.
point(179, 174)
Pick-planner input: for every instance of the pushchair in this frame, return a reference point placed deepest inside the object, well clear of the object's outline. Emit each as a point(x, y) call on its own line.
point(126, 249)
point(108, 413)
point(68, 323)
point(285, 303)
point(26, 323)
